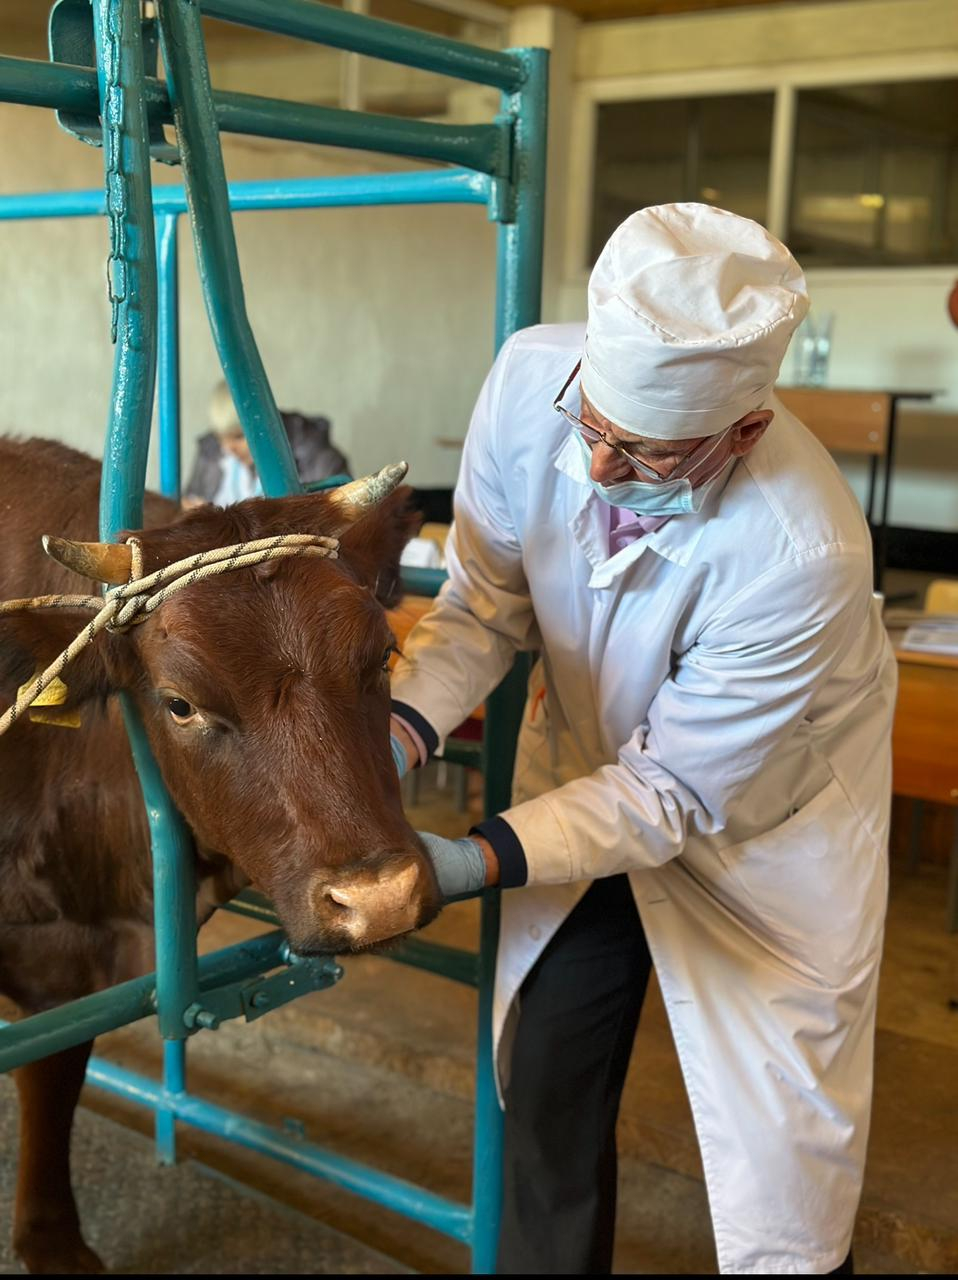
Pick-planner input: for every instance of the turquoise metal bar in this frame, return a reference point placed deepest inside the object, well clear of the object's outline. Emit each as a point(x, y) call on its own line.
point(174, 888)
point(454, 186)
point(168, 334)
point(132, 264)
point(454, 963)
point(90, 1016)
point(519, 277)
point(133, 285)
point(174, 1086)
point(330, 482)
point(463, 752)
point(75, 1023)
point(423, 582)
point(392, 1193)
point(67, 88)
point(373, 37)
point(477, 146)
point(184, 55)
point(518, 302)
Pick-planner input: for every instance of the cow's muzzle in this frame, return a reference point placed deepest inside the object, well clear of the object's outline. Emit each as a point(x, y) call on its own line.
point(355, 907)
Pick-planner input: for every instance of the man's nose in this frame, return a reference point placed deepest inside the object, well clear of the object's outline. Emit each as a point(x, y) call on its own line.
point(608, 466)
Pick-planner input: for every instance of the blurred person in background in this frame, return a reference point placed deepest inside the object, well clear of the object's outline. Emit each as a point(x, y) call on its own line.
point(223, 469)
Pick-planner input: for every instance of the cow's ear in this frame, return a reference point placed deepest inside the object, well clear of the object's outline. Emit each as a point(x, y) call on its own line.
point(32, 639)
point(372, 546)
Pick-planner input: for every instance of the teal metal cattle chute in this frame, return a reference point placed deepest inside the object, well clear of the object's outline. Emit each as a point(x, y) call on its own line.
point(120, 102)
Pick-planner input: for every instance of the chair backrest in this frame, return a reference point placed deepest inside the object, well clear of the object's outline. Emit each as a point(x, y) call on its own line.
point(844, 421)
point(942, 596)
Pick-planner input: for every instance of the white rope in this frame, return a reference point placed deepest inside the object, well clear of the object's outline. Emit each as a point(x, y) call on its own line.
point(132, 603)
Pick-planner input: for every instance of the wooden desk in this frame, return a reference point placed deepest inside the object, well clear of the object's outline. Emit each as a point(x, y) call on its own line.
point(925, 742)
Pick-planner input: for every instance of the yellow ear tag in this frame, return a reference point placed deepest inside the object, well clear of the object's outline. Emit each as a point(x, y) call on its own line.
point(54, 695)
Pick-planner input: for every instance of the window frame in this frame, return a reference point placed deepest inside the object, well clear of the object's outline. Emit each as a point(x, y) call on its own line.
point(784, 80)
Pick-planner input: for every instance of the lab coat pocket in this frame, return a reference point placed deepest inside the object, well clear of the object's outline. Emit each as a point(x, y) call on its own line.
point(813, 889)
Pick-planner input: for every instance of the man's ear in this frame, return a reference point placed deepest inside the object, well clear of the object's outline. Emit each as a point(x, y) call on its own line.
point(31, 639)
point(749, 430)
point(372, 547)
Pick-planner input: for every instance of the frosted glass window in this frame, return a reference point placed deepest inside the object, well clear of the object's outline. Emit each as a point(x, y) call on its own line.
point(715, 150)
point(874, 174)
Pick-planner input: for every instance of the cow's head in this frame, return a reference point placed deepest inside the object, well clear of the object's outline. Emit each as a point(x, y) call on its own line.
point(265, 696)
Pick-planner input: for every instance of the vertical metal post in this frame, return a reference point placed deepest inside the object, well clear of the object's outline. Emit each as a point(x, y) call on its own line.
point(518, 301)
point(174, 889)
point(519, 268)
point(168, 381)
point(191, 95)
point(174, 1086)
point(131, 264)
point(133, 290)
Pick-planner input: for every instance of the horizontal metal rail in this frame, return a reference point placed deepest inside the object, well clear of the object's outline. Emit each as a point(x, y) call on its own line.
point(84, 1019)
point(452, 186)
point(482, 147)
point(388, 41)
point(423, 582)
point(448, 1216)
point(454, 963)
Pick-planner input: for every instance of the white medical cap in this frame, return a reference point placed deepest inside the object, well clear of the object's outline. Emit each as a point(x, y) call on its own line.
point(691, 309)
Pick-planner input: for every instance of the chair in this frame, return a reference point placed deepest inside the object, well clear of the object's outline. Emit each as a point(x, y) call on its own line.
point(942, 596)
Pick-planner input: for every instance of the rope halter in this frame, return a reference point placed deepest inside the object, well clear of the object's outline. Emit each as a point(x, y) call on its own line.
point(128, 605)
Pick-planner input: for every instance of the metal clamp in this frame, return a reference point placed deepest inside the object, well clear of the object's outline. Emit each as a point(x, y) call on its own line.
point(250, 1000)
point(502, 190)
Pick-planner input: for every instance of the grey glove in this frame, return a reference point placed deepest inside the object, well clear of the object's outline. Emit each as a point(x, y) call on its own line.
point(459, 864)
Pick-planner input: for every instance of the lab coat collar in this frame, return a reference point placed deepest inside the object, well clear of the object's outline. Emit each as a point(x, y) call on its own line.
point(675, 541)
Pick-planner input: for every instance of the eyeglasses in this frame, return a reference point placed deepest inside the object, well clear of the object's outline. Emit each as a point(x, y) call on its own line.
point(594, 436)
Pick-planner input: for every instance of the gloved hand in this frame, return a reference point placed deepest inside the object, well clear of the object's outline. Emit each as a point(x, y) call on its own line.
point(459, 864)
point(399, 755)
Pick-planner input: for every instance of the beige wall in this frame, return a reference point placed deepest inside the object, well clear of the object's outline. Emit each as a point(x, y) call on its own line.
point(780, 35)
point(380, 318)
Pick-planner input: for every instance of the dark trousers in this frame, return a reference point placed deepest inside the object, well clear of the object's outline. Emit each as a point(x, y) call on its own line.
point(578, 1013)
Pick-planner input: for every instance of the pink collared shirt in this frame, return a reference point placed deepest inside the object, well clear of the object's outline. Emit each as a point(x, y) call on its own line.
point(626, 527)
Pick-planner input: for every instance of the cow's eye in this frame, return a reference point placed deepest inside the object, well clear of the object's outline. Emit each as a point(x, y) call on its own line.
point(388, 654)
point(181, 710)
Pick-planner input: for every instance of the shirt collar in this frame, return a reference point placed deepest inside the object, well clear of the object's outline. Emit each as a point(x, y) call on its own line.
point(675, 541)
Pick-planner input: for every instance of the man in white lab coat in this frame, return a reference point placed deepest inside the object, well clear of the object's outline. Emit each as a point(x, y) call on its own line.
point(703, 771)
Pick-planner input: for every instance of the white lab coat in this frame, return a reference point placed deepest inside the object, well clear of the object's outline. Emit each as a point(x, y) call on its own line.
point(715, 721)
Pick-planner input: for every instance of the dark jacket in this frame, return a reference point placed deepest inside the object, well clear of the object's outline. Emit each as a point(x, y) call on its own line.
point(316, 458)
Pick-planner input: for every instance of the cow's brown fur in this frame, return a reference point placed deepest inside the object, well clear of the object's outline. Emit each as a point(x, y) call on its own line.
point(289, 783)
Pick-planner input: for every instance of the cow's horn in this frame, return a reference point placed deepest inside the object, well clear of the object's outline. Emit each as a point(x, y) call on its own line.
point(102, 561)
point(359, 495)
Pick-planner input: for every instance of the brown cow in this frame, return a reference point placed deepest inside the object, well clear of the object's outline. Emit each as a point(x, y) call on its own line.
point(265, 696)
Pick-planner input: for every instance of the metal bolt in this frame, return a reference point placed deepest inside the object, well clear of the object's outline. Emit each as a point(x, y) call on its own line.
point(207, 1019)
point(260, 999)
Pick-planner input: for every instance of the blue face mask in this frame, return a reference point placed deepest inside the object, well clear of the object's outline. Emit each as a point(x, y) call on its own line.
point(652, 498)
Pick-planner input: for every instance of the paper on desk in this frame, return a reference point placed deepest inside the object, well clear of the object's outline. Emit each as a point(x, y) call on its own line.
point(934, 634)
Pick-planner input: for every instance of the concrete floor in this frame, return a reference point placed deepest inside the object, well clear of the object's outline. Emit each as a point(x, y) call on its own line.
point(380, 1069)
